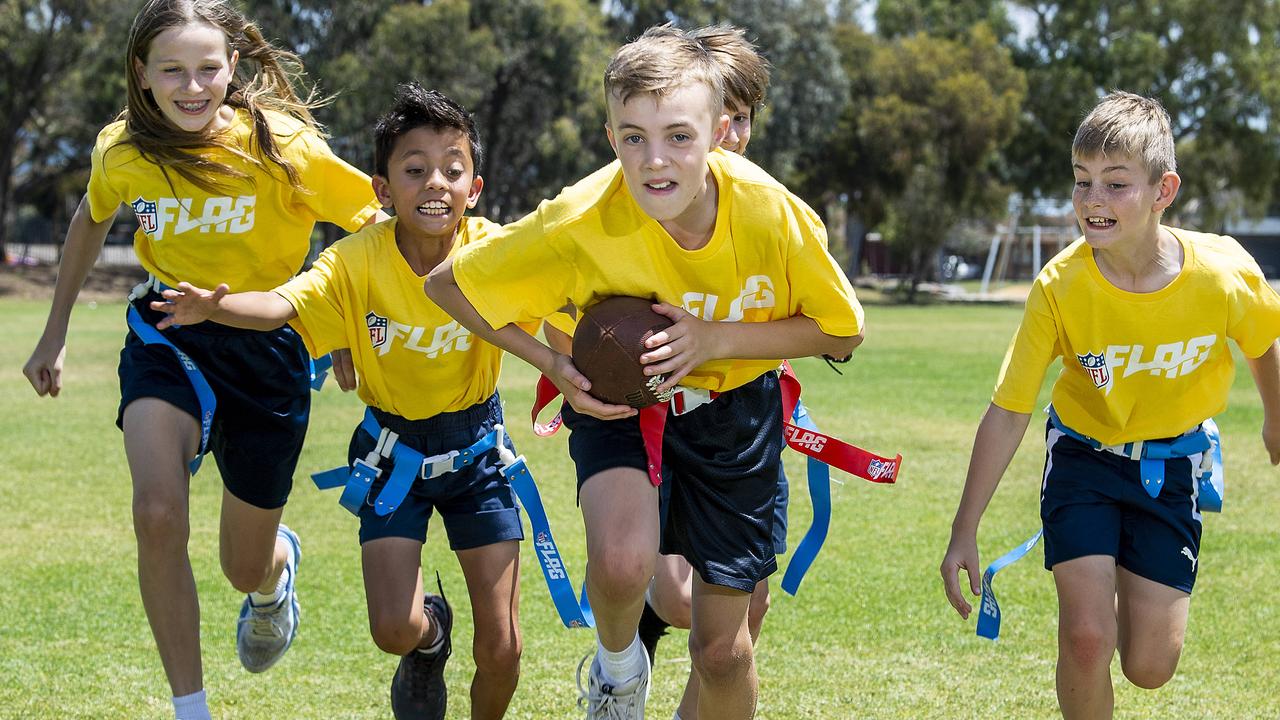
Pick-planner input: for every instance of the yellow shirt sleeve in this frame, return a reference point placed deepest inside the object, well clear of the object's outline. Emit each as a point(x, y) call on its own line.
point(320, 296)
point(1253, 319)
point(516, 274)
point(1032, 350)
point(104, 199)
point(335, 191)
point(819, 288)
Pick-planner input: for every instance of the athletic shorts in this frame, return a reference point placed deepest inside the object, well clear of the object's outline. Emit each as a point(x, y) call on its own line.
point(477, 503)
point(722, 461)
point(262, 382)
point(1093, 503)
point(779, 509)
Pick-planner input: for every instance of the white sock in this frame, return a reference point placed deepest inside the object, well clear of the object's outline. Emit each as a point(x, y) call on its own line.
point(270, 598)
point(436, 644)
point(622, 666)
point(191, 707)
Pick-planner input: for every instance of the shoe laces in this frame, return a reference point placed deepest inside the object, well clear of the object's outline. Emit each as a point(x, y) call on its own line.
point(600, 702)
point(266, 621)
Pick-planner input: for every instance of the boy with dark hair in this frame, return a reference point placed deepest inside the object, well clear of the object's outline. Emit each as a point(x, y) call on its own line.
point(1140, 314)
point(740, 266)
point(430, 388)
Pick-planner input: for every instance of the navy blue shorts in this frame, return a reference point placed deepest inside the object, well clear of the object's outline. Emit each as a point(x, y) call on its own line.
point(722, 462)
point(262, 381)
point(779, 509)
point(1093, 503)
point(477, 503)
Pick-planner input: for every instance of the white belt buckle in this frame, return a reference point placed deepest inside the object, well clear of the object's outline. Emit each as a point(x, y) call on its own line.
point(438, 465)
point(687, 399)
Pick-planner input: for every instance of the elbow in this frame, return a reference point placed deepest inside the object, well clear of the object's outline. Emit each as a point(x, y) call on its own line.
point(843, 347)
point(437, 279)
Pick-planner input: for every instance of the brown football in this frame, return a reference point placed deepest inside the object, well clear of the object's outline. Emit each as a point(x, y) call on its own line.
point(607, 345)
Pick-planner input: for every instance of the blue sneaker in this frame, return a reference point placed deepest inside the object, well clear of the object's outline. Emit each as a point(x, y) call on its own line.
point(265, 632)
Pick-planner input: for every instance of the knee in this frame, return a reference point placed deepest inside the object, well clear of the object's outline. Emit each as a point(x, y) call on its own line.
point(1149, 672)
point(1087, 646)
point(393, 636)
point(720, 660)
point(498, 656)
point(621, 575)
point(160, 520)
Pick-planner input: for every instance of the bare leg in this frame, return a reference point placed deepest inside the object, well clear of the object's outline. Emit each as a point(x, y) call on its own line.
point(159, 440)
point(620, 510)
point(493, 582)
point(251, 553)
point(720, 646)
point(393, 591)
point(1087, 635)
point(1152, 625)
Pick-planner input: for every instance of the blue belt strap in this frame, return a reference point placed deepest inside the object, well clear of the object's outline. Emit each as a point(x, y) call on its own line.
point(989, 609)
point(320, 370)
point(820, 495)
point(1153, 454)
point(1212, 483)
point(204, 394)
point(574, 612)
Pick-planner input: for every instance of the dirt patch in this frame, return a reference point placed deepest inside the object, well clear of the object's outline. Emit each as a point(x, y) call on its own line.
point(35, 282)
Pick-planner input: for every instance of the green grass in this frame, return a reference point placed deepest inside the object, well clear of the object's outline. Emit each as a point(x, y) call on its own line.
point(870, 636)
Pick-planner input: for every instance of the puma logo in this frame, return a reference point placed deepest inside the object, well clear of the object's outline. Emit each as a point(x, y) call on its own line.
point(1187, 552)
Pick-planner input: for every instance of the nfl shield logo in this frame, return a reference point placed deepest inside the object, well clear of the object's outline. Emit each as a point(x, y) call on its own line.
point(541, 539)
point(146, 212)
point(377, 328)
point(1095, 365)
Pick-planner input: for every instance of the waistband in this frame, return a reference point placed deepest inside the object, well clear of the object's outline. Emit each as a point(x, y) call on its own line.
point(148, 291)
point(488, 411)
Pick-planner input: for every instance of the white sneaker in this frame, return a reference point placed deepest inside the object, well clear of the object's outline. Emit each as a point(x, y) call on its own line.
point(612, 701)
point(264, 633)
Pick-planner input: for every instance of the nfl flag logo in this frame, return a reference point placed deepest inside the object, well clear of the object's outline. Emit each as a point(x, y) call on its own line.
point(146, 212)
point(541, 539)
point(377, 328)
point(1095, 364)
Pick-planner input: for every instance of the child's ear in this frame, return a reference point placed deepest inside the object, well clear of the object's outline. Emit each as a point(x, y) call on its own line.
point(140, 70)
point(1168, 184)
point(382, 190)
point(721, 129)
point(613, 143)
point(473, 196)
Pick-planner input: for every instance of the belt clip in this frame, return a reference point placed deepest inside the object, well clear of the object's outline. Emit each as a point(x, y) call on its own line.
point(687, 399)
point(438, 465)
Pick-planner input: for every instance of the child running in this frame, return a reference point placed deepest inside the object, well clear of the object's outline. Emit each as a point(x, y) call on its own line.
point(1140, 314)
point(425, 379)
point(740, 266)
point(227, 173)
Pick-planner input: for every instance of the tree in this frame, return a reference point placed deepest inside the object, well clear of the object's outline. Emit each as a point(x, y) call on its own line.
point(918, 147)
point(52, 85)
point(1216, 78)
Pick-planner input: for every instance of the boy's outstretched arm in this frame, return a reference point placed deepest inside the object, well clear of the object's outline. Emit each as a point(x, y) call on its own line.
point(997, 439)
point(84, 242)
point(443, 290)
point(189, 305)
point(692, 341)
point(1266, 375)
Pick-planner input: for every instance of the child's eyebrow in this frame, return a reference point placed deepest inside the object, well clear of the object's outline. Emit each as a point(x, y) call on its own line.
point(679, 125)
point(1107, 169)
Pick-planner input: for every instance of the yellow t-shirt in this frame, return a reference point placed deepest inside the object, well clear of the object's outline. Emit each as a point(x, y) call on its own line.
point(255, 236)
point(1139, 366)
point(766, 260)
point(413, 359)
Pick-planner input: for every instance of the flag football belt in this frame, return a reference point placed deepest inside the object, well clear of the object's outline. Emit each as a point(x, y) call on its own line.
point(319, 367)
point(800, 433)
point(204, 394)
point(1151, 456)
point(410, 465)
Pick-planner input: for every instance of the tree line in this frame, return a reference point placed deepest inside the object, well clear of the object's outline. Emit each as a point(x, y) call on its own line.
point(909, 116)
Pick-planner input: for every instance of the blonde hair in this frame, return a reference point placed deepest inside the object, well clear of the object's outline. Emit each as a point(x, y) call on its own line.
point(745, 70)
point(270, 86)
point(660, 61)
point(1126, 124)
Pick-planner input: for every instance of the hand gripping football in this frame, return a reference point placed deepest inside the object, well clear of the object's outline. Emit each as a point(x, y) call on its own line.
point(607, 346)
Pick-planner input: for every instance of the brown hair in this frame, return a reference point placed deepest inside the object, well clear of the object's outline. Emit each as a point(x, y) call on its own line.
point(1127, 124)
point(745, 70)
point(270, 86)
point(660, 61)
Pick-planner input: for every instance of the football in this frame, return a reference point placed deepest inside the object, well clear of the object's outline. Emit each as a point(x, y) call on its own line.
point(607, 345)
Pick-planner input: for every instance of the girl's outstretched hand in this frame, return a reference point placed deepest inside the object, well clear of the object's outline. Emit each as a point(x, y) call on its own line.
point(189, 304)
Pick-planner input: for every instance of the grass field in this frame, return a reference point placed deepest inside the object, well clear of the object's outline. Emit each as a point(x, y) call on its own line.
point(870, 635)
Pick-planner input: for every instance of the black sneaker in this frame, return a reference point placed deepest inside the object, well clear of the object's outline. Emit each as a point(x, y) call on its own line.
point(418, 691)
point(652, 628)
